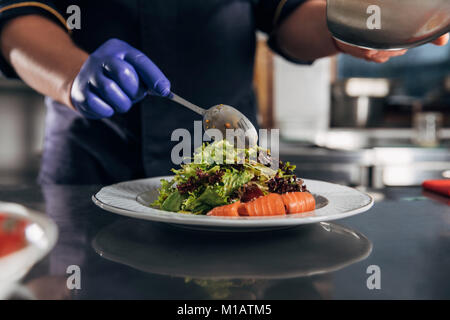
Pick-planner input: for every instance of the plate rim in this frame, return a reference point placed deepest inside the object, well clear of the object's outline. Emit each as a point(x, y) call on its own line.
point(239, 222)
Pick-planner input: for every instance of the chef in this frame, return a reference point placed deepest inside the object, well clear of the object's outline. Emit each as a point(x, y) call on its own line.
point(105, 82)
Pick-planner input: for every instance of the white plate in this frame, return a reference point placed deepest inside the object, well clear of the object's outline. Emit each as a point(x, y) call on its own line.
point(132, 199)
point(41, 235)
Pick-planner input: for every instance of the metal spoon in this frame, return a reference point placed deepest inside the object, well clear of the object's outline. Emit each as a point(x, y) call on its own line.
point(223, 117)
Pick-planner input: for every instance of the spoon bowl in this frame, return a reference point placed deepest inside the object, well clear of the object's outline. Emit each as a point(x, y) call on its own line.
point(222, 117)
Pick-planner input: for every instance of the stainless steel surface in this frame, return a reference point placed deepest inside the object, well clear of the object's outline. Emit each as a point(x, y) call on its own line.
point(363, 139)
point(369, 158)
point(404, 23)
point(358, 102)
point(222, 117)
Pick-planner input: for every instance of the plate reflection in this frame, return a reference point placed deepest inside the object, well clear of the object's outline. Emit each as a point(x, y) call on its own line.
point(230, 265)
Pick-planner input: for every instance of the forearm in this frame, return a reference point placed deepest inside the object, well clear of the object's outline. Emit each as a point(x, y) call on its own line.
point(43, 55)
point(304, 34)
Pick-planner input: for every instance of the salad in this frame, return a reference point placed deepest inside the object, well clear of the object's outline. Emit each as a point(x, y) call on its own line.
point(220, 175)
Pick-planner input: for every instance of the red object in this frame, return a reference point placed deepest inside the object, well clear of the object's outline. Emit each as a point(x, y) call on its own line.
point(12, 234)
point(438, 186)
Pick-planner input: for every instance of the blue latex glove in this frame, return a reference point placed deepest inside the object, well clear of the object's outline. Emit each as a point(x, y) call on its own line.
point(113, 78)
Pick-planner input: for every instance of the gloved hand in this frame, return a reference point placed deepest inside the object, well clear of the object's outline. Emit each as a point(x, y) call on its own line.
point(113, 78)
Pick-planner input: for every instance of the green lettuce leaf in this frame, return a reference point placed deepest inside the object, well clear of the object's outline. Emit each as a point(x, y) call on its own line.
point(234, 179)
point(207, 200)
point(173, 202)
point(165, 191)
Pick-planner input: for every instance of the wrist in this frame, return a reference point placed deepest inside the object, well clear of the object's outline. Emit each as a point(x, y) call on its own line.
point(80, 58)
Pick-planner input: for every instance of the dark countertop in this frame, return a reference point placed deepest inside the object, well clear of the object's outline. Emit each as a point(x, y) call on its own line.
point(406, 234)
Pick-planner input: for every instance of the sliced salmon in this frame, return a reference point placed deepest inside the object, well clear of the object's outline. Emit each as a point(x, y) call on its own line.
point(269, 205)
point(298, 202)
point(228, 210)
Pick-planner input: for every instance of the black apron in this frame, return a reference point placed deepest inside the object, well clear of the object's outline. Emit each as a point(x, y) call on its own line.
point(205, 48)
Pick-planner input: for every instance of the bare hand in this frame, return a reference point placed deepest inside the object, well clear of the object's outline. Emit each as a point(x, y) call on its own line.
point(442, 41)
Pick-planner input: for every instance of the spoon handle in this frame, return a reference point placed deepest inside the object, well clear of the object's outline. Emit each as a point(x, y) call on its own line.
point(187, 104)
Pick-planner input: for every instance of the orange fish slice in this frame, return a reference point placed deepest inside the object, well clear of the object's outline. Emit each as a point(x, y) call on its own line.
point(298, 202)
point(269, 205)
point(228, 210)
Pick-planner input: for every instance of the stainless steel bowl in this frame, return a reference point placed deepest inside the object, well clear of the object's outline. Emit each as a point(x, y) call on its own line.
point(358, 102)
point(404, 23)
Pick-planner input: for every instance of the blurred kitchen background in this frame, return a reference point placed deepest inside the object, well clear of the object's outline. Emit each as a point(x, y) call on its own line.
point(341, 119)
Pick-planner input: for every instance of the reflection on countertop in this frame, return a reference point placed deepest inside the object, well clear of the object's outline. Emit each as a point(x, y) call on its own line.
point(168, 250)
point(226, 265)
point(125, 258)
